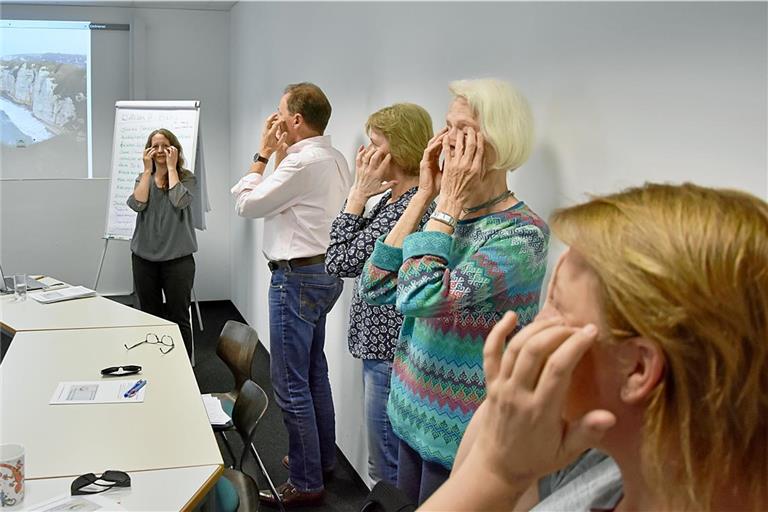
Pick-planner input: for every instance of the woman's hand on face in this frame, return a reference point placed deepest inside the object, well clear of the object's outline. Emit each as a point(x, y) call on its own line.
point(463, 170)
point(371, 165)
point(429, 170)
point(147, 157)
point(522, 434)
point(171, 157)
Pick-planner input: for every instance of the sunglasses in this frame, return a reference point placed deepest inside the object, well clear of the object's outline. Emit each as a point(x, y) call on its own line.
point(104, 482)
point(117, 371)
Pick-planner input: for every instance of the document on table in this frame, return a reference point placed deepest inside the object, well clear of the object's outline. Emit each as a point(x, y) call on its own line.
point(69, 293)
point(76, 504)
point(216, 414)
point(96, 392)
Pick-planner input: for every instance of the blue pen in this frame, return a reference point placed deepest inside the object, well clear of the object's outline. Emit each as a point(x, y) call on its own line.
point(135, 388)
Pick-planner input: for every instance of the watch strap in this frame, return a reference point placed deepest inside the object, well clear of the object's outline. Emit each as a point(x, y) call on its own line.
point(443, 217)
point(258, 158)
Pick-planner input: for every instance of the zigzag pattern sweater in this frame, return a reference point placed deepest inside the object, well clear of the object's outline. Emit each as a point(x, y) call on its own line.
point(452, 290)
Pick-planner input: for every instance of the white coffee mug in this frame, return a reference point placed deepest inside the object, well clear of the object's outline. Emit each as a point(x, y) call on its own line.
point(11, 474)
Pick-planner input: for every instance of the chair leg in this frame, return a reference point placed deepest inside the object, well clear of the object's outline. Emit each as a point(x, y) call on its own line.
point(263, 470)
point(229, 449)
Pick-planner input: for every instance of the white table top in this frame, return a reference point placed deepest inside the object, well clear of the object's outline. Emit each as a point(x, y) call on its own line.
point(87, 313)
point(170, 429)
point(170, 489)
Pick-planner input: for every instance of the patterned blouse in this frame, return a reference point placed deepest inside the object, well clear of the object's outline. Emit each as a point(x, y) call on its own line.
point(373, 330)
point(452, 290)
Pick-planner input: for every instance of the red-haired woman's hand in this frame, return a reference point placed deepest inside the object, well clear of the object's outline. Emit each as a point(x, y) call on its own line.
point(522, 434)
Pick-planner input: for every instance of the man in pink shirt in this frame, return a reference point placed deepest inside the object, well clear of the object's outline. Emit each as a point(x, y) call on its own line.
point(298, 201)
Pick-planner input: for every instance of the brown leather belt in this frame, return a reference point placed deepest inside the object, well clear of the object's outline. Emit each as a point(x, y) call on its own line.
point(295, 262)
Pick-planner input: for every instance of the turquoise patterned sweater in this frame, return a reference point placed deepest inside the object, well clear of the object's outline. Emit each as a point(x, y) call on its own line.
point(452, 290)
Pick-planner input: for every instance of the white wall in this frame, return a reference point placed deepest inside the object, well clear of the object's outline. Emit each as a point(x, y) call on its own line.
point(622, 93)
point(174, 54)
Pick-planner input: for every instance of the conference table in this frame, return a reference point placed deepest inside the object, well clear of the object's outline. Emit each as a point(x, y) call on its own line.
point(165, 442)
point(86, 313)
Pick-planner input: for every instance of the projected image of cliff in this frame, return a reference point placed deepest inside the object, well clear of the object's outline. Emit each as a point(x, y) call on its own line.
point(44, 90)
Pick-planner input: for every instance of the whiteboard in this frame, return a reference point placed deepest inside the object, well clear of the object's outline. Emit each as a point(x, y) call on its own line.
point(134, 121)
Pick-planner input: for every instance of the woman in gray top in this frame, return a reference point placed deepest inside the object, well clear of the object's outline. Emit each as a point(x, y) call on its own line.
point(164, 237)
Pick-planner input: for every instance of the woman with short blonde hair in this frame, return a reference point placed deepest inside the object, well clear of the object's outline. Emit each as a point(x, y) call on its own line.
point(408, 128)
point(398, 134)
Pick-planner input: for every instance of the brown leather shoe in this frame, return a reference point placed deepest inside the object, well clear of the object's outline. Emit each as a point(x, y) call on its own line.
point(327, 473)
point(291, 497)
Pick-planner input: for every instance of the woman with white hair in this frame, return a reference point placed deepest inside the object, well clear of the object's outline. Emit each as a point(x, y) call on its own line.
point(482, 253)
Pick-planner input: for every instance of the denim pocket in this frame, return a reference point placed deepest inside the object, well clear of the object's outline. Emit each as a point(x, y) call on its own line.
point(317, 299)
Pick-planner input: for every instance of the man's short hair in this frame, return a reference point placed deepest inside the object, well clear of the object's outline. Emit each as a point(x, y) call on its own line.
point(310, 101)
point(407, 128)
point(504, 116)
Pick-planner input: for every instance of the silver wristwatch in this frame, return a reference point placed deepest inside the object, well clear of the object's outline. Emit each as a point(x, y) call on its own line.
point(444, 218)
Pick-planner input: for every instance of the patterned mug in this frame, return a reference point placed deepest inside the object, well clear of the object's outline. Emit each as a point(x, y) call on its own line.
point(11, 474)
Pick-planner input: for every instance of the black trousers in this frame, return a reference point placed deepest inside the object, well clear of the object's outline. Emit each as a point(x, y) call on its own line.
point(174, 278)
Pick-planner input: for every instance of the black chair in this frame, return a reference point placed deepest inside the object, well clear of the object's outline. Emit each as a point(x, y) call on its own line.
point(249, 408)
point(237, 347)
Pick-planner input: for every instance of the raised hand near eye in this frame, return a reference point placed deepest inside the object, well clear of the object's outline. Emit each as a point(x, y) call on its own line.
point(281, 145)
point(147, 157)
point(522, 433)
point(430, 174)
point(371, 165)
point(463, 170)
point(171, 157)
point(269, 136)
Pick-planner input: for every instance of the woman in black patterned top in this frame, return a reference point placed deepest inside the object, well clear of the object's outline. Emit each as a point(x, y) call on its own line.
point(399, 135)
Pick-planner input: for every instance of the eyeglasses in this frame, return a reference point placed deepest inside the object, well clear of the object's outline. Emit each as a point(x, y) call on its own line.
point(153, 339)
point(106, 481)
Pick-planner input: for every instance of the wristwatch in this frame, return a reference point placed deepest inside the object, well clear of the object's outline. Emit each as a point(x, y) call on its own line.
point(258, 158)
point(443, 217)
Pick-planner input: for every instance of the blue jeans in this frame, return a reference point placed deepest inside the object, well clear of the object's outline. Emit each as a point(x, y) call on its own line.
point(299, 301)
point(382, 443)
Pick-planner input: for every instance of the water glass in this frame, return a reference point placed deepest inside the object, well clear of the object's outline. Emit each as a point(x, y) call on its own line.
point(20, 287)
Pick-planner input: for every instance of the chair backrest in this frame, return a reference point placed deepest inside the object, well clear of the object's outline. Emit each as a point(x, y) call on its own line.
point(237, 347)
point(250, 406)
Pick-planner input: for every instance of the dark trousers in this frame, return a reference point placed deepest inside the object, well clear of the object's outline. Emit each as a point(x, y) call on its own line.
point(299, 301)
point(416, 477)
point(174, 278)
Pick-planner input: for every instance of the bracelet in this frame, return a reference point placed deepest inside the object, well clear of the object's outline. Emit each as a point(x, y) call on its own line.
point(444, 218)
